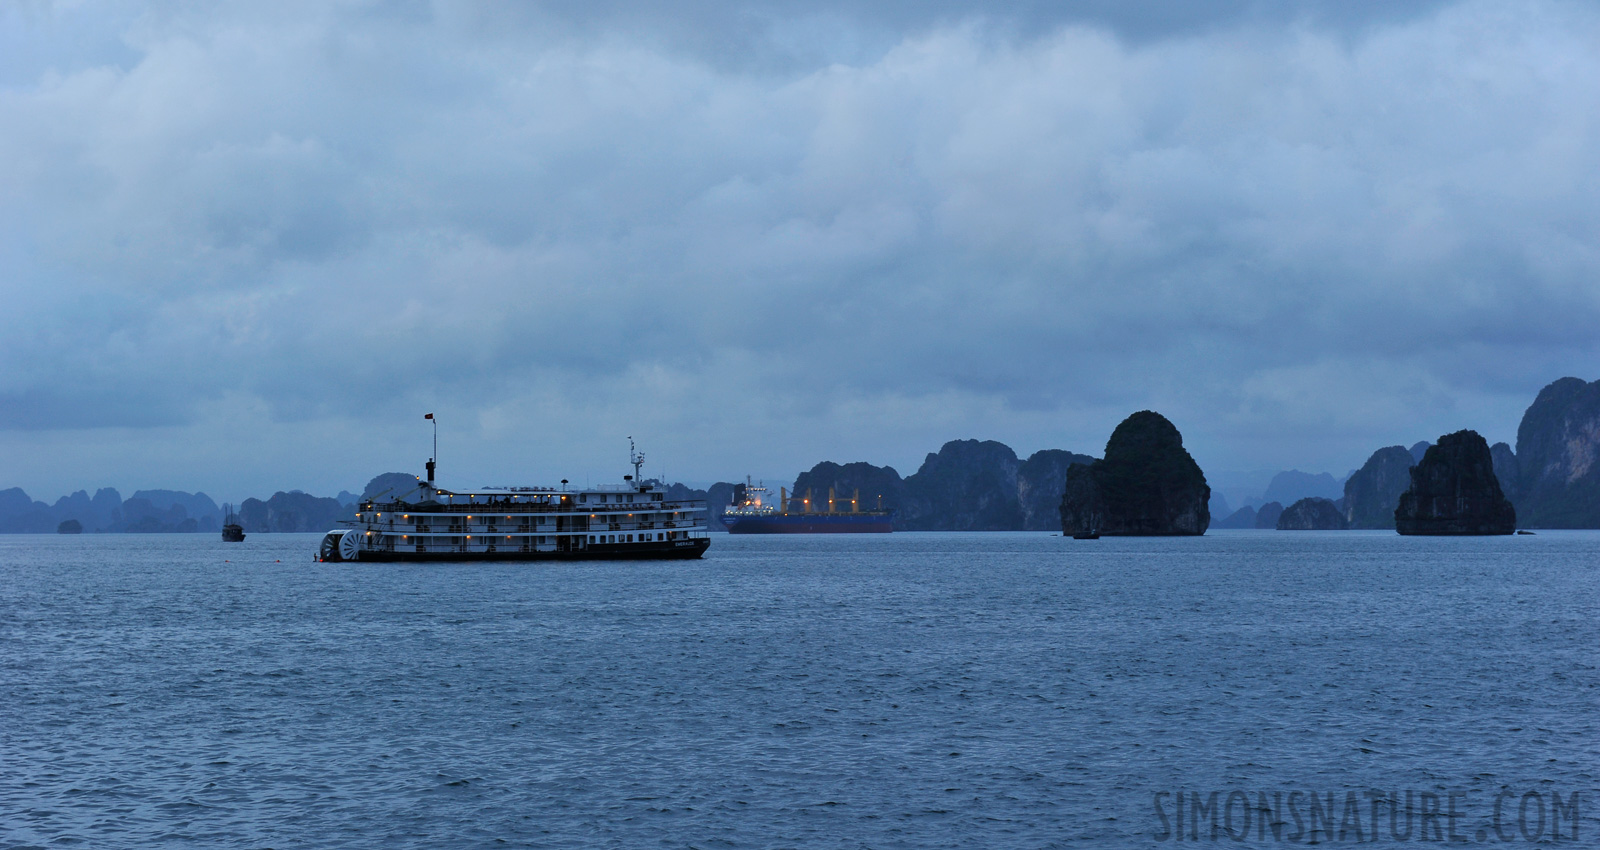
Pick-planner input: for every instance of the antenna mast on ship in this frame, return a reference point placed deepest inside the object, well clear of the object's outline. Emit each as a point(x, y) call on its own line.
point(636, 458)
point(433, 461)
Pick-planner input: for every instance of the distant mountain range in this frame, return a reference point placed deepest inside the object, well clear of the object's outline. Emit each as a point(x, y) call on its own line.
point(106, 510)
point(968, 485)
point(168, 511)
point(1552, 478)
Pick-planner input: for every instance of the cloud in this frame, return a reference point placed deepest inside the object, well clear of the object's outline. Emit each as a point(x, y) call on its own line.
point(806, 230)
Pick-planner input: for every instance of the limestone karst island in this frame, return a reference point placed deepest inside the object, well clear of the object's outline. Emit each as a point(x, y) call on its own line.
point(1146, 483)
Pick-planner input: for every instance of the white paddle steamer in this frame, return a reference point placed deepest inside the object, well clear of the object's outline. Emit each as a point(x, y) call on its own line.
point(430, 523)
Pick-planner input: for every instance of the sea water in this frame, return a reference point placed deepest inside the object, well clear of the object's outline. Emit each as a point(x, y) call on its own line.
point(905, 690)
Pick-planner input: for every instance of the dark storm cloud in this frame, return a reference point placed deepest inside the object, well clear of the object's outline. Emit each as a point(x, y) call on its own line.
point(781, 229)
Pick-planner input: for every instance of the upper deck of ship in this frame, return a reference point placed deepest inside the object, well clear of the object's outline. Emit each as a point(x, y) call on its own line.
point(603, 498)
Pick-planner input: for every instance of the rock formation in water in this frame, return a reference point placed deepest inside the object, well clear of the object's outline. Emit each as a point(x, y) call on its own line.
point(147, 511)
point(1508, 470)
point(1558, 457)
point(1293, 485)
point(291, 512)
point(969, 485)
point(1372, 492)
point(716, 497)
point(105, 509)
point(1267, 515)
point(69, 526)
point(80, 507)
point(875, 483)
point(1312, 513)
point(140, 515)
point(196, 506)
point(390, 486)
point(1244, 517)
point(21, 514)
point(1148, 484)
point(1041, 479)
point(1454, 491)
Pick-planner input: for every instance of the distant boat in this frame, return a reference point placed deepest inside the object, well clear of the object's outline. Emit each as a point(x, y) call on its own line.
point(751, 513)
point(232, 531)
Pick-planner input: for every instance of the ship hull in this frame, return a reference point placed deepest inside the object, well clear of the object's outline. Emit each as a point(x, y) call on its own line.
point(810, 524)
point(653, 551)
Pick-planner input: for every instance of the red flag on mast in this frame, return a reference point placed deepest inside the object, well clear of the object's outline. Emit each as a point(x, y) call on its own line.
point(428, 416)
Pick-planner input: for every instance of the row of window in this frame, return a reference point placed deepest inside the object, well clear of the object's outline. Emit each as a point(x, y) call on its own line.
point(456, 545)
point(647, 537)
point(619, 497)
point(454, 541)
point(659, 536)
point(525, 546)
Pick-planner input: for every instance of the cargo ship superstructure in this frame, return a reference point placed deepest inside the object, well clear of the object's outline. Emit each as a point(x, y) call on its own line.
point(752, 513)
point(630, 520)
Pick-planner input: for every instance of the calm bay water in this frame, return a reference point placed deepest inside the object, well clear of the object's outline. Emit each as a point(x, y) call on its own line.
point(906, 690)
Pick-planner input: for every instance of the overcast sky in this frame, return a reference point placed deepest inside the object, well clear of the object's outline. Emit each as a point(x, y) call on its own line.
point(245, 247)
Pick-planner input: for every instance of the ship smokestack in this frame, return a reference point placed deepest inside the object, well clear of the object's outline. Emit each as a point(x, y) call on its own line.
point(430, 470)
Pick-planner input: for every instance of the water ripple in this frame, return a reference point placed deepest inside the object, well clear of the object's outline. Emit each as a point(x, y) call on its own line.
point(898, 691)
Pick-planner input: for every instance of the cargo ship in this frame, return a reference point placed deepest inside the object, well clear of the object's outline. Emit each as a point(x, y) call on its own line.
point(631, 520)
point(752, 513)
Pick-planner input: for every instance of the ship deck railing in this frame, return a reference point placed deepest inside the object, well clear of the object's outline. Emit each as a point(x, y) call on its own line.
point(687, 530)
point(877, 514)
point(520, 528)
point(514, 508)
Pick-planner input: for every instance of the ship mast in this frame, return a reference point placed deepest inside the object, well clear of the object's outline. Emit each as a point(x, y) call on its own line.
point(636, 458)
point(433, 461)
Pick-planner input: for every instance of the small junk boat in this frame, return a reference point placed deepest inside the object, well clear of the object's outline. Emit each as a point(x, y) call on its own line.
point(232, 531)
